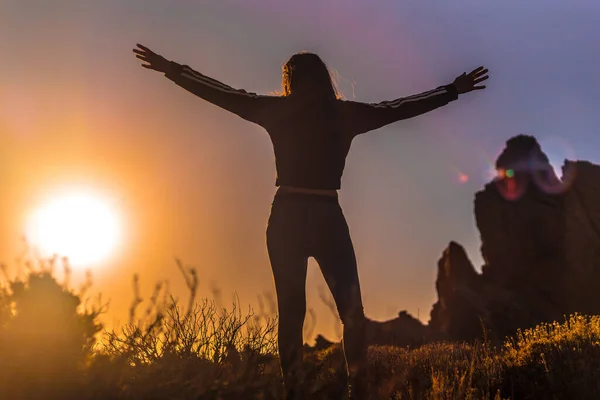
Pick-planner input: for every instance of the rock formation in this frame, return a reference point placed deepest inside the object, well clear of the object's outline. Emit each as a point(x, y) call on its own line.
point(404, 330)
point(541, 246)
point(540, 240)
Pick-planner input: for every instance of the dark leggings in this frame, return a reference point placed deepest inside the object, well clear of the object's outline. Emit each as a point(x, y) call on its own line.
point(301, 226)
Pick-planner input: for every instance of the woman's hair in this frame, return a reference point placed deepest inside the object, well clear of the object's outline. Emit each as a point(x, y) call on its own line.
point(306, 74)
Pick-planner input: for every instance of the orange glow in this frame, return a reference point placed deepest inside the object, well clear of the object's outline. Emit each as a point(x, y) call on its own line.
point(80, 225)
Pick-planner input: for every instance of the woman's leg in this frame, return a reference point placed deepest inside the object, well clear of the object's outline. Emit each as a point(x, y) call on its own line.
point(336, 258)
point(289, 265)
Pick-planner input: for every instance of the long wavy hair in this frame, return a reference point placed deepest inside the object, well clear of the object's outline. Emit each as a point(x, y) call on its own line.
point(306, 75)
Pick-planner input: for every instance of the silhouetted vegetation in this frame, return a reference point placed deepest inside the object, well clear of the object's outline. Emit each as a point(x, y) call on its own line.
point(51, 346)
point(46, 336)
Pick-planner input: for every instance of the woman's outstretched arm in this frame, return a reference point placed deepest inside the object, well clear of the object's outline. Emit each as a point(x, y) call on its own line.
point(364, 117)
point(250, 106)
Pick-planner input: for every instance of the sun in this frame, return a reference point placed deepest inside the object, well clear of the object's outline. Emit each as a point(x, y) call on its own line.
point(80, 225)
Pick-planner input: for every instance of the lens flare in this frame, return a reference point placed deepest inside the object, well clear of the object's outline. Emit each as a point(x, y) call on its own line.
point(512, 188)
point(512, 184)
point(489, 172)
point(557, 150)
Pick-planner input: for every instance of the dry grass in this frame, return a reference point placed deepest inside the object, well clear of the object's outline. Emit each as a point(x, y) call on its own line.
point(50, 348)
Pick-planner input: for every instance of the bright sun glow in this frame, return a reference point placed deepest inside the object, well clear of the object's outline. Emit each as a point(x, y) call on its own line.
point(79, 225)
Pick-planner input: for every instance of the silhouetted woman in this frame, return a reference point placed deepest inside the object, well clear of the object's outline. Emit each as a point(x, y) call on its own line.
point(311, 129)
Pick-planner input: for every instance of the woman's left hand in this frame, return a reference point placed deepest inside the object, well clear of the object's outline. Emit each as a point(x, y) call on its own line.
point(468, 82)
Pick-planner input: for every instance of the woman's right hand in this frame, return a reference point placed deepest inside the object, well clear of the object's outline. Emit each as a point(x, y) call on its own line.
point(467, 83)
point(154, 61)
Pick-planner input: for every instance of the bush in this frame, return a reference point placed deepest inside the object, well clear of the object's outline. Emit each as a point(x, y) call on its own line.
point(46, 338)
point(49, 348)
point(202, 353)
point(555, 361)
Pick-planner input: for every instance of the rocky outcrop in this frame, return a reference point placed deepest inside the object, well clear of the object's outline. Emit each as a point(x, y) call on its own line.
point(540, 241)
point(321, 343)
point(404, 330)
point(582, 236)
point(474, 307)
point(541, 245)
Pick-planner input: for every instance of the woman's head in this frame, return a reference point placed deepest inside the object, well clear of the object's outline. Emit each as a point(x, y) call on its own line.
point(305, 74)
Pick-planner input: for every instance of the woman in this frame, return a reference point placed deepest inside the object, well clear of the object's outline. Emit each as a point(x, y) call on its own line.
point(311, 129)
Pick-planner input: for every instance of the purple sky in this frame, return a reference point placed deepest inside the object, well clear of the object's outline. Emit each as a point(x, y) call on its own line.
point(197, 182)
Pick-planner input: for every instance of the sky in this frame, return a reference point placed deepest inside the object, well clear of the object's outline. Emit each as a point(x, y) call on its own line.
point(194, 182)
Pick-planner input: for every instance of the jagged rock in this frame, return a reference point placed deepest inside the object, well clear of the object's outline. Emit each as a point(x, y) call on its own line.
point(321, 343)
point(540, 241)
point(469, 305)
point(460, 306)
point(582, 235)
point(541, 246)
point(404, 330)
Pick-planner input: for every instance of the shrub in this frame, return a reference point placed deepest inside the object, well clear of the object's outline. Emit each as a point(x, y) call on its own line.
point(555, 360)
point(46, 338)
point(206, 351)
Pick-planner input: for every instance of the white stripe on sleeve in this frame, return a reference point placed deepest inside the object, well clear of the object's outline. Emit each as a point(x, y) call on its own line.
point(422, 96)
point(216, 85)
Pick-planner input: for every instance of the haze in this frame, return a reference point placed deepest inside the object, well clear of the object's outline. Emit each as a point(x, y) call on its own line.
point(196, 182)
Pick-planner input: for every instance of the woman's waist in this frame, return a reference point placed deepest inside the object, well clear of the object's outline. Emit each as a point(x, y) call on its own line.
point(288, 189)
point(297, 194)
